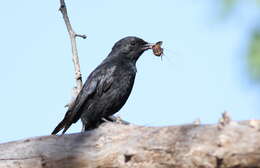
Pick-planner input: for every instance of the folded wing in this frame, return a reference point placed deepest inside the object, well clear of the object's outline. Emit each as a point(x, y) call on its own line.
point(98, 83)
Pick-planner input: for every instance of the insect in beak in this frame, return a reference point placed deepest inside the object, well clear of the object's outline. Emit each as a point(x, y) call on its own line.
point(157, 49)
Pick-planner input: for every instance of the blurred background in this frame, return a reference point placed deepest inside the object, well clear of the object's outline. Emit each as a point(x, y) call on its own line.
point(211, 62)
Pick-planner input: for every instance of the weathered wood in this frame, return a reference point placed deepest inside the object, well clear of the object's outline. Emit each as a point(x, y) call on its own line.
point(233, 145)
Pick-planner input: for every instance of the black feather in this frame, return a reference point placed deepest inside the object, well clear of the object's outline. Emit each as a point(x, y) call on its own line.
point(107, 87)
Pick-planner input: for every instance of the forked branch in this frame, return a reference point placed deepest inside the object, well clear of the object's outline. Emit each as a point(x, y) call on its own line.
point(75, 57)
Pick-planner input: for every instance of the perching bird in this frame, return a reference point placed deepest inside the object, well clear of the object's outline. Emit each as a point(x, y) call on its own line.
point(108, 87)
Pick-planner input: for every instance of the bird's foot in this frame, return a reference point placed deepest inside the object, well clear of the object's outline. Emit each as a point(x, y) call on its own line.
point(116, 119)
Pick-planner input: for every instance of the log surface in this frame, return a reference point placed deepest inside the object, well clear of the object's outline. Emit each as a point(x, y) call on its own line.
point(235, 145)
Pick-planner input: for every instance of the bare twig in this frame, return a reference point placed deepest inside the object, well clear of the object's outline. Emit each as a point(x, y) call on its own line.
point(75, 58)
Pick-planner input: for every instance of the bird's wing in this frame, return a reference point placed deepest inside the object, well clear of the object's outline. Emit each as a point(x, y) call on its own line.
point(104, 85)
point(74, 113)
point(96, 83)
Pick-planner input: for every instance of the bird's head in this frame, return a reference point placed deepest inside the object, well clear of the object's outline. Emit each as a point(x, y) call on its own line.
point(130, 48)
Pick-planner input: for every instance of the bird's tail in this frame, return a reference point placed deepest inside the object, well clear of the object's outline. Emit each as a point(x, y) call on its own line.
point(64, 124)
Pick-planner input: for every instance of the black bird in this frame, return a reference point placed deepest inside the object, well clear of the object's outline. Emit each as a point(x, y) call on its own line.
point(108, 87)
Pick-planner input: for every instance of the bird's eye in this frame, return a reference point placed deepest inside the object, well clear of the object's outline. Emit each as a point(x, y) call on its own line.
point(132, 43)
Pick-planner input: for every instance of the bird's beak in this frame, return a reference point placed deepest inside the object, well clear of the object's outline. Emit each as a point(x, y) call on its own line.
point(148, 46)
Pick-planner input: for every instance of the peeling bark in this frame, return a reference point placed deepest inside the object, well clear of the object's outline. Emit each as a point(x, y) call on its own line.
point(234, 145)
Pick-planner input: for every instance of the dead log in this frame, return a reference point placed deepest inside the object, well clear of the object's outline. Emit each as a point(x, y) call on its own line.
point(231, 145)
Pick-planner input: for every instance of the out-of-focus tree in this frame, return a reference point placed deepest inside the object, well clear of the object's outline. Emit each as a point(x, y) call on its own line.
point(253, 54)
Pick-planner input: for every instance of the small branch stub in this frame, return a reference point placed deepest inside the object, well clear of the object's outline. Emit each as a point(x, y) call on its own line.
point(81, 35)
point(224, 120)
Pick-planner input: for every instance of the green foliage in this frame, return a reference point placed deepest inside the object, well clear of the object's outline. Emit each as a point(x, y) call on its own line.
point(227, 7)
point(254, 56)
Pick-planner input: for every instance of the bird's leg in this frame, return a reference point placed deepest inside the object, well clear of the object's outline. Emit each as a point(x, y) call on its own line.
point(116, 119)
point(90, 125)
point(109, 119)
point(83, 127)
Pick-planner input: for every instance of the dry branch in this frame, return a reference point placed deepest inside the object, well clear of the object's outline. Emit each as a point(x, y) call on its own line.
point(235, 145)
point(75, 57)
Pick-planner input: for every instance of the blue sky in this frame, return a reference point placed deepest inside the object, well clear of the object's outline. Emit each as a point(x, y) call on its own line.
point(202, 74)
